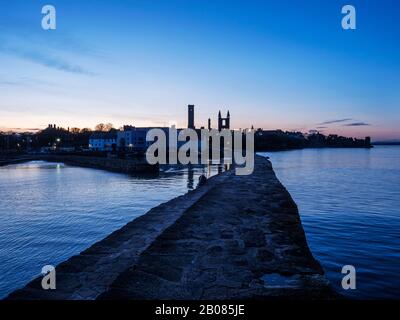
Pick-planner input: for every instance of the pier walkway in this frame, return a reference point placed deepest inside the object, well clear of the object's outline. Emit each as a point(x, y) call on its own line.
point(236, 237)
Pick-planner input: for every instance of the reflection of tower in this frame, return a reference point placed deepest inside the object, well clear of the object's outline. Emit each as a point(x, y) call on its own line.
point(224, 123)
point(191, 116)
point(190, 181)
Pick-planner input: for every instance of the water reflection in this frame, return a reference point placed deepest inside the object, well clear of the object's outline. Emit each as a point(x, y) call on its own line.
point(349, 202)
point(51, 211)
point(190, 178)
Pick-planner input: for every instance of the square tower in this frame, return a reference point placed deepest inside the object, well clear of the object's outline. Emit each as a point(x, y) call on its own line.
point(191, 116)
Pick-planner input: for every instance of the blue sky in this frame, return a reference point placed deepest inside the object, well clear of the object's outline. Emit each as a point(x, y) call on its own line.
point(273, 64)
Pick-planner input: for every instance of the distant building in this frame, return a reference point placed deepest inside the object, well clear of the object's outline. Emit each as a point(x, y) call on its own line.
point(224, 123)
point(133, 138)
point(103, 141)
point(368, 142)
point(191, 116)
point(261, 132)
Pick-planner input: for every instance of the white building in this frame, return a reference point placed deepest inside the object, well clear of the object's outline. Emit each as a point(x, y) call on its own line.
point(103, 141)
point(133, 138)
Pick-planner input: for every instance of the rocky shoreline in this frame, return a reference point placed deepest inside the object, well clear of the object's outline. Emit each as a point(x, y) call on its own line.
point(236, 237)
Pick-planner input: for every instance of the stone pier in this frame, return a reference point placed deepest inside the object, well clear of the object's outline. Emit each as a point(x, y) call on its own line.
point(236, 237)
point(129, 166)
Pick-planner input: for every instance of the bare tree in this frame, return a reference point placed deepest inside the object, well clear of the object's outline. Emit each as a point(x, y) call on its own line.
point(100, 127)
point(104, 127)
point(75, 130)
point(109, 127)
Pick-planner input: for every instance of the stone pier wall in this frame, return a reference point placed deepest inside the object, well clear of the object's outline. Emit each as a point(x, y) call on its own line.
point(236, 237)
point(129, 166)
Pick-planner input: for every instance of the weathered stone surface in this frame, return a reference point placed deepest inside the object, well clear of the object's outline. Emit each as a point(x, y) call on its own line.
point(236, 237)
point(90, 273)
point(239, 240)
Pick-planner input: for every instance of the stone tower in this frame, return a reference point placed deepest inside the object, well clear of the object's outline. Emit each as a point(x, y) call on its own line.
point(191, 116)
point(224, 123)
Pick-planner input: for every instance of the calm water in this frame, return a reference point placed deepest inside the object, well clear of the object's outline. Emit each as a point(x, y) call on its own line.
point(50, 212)
point(349, 202)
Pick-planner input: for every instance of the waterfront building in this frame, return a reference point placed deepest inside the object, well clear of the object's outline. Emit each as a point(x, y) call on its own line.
point(133, 138)
point(103, 141)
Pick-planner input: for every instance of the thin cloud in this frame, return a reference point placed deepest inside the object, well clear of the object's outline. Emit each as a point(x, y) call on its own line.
point(47, 61)
point(356, 124)
point(335, 121)
point(5, 129)
point(59, 41)
point(23, 81)
point(34, 48)
point(8, 83)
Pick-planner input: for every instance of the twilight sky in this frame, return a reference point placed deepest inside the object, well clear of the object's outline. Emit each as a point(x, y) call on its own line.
point(273, 64)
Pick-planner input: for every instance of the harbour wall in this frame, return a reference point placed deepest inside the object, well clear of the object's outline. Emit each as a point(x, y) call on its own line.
point(235, 237)
point(130, 166)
